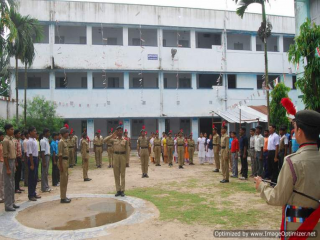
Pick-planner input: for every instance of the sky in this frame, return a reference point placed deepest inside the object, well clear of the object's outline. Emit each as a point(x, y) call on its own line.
point(275, 7)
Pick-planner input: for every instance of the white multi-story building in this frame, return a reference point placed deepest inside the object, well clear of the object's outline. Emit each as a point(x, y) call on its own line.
point(166, 68)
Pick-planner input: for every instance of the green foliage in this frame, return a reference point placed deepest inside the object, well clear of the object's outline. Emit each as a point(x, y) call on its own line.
point(41, 114)
point(305, 48)
point(278, 114)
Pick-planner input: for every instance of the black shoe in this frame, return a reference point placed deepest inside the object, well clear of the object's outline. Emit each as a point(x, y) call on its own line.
point(37, 196)
point(33, 199)
point(170, 164)
point(68, 199)
point(191, 163)
point(65, 200)
point(224, 181)
point(9, 209)
point(127, 165)
point(87, 179)
point(70, 166)
point(143, 175)
point(216, 170)
point(180, 167)
point(118, 194)
point(122, 194)
point(109, 166)
point(146, 176)
point(15, 206)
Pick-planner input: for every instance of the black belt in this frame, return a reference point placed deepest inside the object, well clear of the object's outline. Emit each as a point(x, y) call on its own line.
point(119, 153)
point(144, 147)
point(180, 145)
point(65, 158)
point(71, 147)
point(223, 147)
point(87, 151)
point(215, 144)
point(299, 213)
point(98, 145)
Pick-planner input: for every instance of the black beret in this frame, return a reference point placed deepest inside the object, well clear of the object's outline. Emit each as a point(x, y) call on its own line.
point(64, 130)
point(119, 127)
point(225, 127)
point(142, 130)
point(309, 118)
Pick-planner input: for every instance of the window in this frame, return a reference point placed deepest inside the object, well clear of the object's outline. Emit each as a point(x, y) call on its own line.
point(83, 40)
point(59, 40)
point(137, 83)
point(259, 81)
point(107, 36)
point(207, 40)
point(113, 82)
point(84, 82)
point(165, 83)
point(70, 34)
point(185, 126)
point(136, 127)
point(259, 47)
point(287, 41)
point(164, 42)
point(112, 41)
point(34, 82)
point(61, 82)
point(272, 44)
point(240, 42)
point(183, 43)
point(238, 46)
point(294, 81)
point(208, 80)
point(144, 37)
point(136, 42)
point(232, 81)
point(184, 83)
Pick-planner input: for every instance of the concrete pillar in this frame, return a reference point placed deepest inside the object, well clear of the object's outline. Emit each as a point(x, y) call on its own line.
point(160, 37)
point(195, 128)
point(52, 84)
point(126, 80)
point(90, 80)
point(89, 35)
point(253, 43)
point(127, 125)
point(280, 43)
point(51, 43)
point(193, 39)
point(125, 36)
point(194, 81)
point(90, 129)
point(161, 126)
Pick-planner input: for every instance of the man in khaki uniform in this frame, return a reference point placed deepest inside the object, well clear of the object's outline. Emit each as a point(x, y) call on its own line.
point(110, 151)
point(216, 148)
point(191, 145)
point(64, 155)
point(85, 156)
point(70, 143)
point(170, 148)
point(225, 153)
point(98, 148)
point(121, 151)
point(75, 139)
point(180, 149)
point(143, 152)
point(157, 149)
point(299, 175)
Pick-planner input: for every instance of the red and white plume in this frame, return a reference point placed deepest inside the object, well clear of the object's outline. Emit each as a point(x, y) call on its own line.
point(120, 123)
point(213, 126)
point(71, 131)
point(289, 106)
point(111, 130)
point(126, 130)
point(99, 131)
point(224, 123)
point(66, 126)
point(146, 132)
point(181, 130)
point(157, 131)
point(143, 127)
point(170, 131)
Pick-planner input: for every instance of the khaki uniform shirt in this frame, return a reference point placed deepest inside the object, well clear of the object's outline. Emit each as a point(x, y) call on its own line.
point(63, 148)
point(75, 139)
point(216, 140)
point(98, 142)
point(142, 142)
point(225, 142)
point(9, 149)
point(180, 142)
point(157, 142)
point(191, 143)
point(85, 148)
point(170, 142)
point(70, 142)
point(119, 145)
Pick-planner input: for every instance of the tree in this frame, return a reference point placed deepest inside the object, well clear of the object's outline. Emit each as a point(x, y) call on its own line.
point(304, 49)
point(278, 115)
point(264, 33)
point(26, 29)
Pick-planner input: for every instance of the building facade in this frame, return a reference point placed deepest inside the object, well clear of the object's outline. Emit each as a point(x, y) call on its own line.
point(163, 67)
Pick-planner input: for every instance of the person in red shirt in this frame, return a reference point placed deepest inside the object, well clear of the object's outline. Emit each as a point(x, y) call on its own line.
point(234, 154)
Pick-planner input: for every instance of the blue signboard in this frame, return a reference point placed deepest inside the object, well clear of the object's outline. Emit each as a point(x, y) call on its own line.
point(152, 56)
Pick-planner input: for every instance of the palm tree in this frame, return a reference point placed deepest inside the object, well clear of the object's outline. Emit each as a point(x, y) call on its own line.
point(264, 32)
point(27, 29)
point(28, 58)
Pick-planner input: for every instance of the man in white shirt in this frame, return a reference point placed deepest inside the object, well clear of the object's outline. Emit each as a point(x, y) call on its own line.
point(45, 155)
point(258, 147)
point(273, 150)
point(33, 163)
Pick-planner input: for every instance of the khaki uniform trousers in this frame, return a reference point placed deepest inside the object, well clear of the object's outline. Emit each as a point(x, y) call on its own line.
point(144, 157)
point(225, 163)
point(98, 156)
point(110, 156)
point(85, 166)
point(216, 156)
point(157, 153)
point(71, 156)
point(64, 179)
point(170, 154)
point(128, 156)
point(180, 150)
point(191, 153)
point(119, 170)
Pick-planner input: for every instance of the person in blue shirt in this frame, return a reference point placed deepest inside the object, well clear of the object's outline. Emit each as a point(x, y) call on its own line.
point(54, 155)
point(294, 143)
